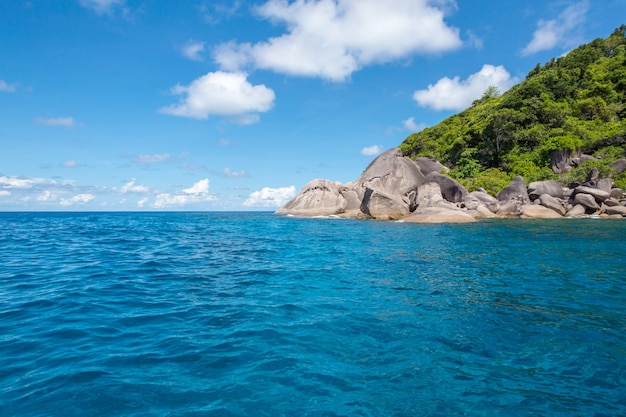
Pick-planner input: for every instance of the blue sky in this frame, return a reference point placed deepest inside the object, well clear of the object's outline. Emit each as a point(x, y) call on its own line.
point(233, 105)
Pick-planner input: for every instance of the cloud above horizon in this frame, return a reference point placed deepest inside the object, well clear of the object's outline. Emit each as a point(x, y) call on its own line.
point(331, 39)
point(193, 50)
point(551, 33)
point(197, 193)
point(6, 87)
point(270, 197)
point(56, 121)
point(221, 93)
point(102, 6)
point(372, 150)
point(457, 94)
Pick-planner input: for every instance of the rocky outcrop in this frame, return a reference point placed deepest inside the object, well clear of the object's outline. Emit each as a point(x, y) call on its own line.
point(619, 166)
point(394, 187)
point(512, 197)
point(317, 198)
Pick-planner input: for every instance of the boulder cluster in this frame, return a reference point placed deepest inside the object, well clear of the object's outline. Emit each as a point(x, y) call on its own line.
point(394, 187)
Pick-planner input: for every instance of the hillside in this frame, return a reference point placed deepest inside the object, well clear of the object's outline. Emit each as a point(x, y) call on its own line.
point(573, 107)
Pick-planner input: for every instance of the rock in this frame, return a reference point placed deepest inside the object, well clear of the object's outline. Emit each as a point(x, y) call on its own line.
point(317, 198)
point(482, 212)
point(353, 204)
point(550, 187)
point(615, 210)
point(551, 203)
point(532, 211)
point(512, 197)
point(451, 190)
point(429, 195)
point(428, 165)
point(561, 161)
point(382, 206)
point(599, 195)
point(594, 175)
point(576, 211)
point(587, 201)
point(605, 184)
point(617, 193)
point(619, 166)
point(392, 174)
point(581, 158)
point(438, 215)
point(476, 199)
point(611, 202)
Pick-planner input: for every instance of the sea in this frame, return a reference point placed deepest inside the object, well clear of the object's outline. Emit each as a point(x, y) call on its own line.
point(255, 314)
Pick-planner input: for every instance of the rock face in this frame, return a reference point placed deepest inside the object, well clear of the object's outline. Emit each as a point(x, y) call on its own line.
point(428, 165)
point(550, 187)
point(451, 189)
point(552, 203)
point(476, 199)
point(317, 198)
point(512, 197)
point(534, 211)
point(439, 215)
point(383, 206)
point(619, 166)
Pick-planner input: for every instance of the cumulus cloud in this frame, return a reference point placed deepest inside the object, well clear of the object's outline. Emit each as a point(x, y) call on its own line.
point(132, 187)
point(229, 173)
point(333, 38)
point(222, 93)
point(148, 159)
point(372, 150)
point(5, 193)
point(457, 94)
point(21, 183)
point(6, 87)
point(77, 199)
point(198, 192)
point(193, 50)
point(102, 6)
point(550, 33)
point(410, 124)
point(270, 197)
point(56, 121)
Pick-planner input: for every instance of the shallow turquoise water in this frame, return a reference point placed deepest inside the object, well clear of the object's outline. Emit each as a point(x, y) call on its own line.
point(251, 314)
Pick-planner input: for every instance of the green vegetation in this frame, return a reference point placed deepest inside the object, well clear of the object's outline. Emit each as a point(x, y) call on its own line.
point(576, 102)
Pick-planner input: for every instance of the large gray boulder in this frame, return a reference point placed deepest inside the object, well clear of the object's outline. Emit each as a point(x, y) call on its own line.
point(605, 184)
point(587, 201)
point(598, 194)
point(451, 190)
point(392, 174)
point(428, 165)
point(550, 187)
point(439, 215)
point(535, 211)
point(621, 210)
point(429, 195)
point(576, 211)
point(476, 199)
point(552, 203)
point(619, 166)
point(512, 197)
point(383, 206)
point(317, 198)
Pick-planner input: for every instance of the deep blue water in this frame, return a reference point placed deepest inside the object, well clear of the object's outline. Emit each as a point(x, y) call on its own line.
point(252, 314)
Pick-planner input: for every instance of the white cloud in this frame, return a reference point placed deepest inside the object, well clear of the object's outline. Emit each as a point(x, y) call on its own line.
point(131, 187)
point(70, 164)
point(551, 33)
point(147, 159)
point(457, 94)
point(270, 197)
point(333, 38)
point(410, 124)
point(4, 193)
point(193, 50)
point(229, 173)
point(142, 202)
point(77, 199)
point(46, 196)
point(20, 183)
point(222, 93)
point(199, 192)
point(200, 187)
point(102, 6)
point(6, 87)
point(56, 121)
point(372, 150)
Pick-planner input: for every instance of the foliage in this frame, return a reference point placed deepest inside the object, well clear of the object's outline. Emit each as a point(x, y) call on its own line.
point(575, 102)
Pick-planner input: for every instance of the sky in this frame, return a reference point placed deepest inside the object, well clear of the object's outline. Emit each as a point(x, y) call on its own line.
point(148, 105)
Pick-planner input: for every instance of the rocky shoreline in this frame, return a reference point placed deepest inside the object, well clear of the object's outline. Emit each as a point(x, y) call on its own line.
point(394, 187)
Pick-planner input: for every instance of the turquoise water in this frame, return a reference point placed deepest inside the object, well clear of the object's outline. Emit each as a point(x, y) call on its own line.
point(251, 314)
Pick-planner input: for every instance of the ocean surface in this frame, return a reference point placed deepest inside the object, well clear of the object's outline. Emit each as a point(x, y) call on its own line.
point(253, 314)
